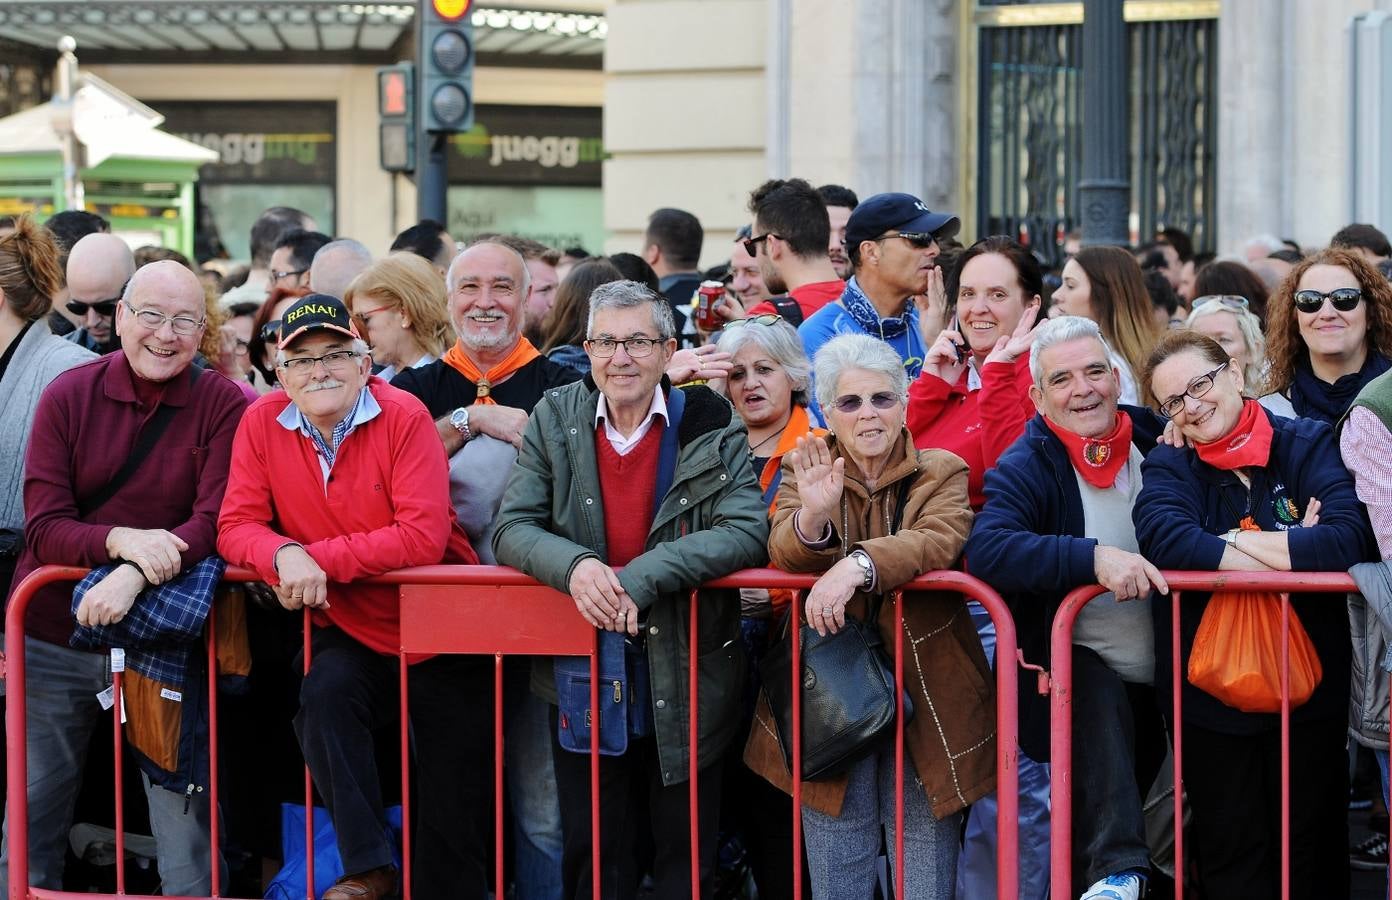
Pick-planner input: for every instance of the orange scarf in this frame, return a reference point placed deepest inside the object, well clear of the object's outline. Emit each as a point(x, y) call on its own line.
point(521, 354)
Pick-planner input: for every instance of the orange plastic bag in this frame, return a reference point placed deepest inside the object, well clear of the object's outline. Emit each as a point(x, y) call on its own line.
point(1236, 655)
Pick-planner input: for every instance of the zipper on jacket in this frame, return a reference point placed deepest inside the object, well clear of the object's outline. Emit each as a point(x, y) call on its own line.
point(618, 691)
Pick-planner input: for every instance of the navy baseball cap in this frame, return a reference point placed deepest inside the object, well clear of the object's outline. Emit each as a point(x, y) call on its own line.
point(313, 312)
point(897, 212)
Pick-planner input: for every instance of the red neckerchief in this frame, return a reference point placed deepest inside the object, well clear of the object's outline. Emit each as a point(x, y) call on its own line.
point(1248, 444)
point(1098, 459)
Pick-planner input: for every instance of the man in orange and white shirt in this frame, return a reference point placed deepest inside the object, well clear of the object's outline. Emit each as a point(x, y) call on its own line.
point(480, 394)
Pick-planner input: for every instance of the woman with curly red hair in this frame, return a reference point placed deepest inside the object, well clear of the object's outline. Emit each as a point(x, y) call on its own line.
point(1328, 333)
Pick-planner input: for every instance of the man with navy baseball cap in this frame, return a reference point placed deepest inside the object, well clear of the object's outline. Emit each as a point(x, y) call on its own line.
point(892, 244)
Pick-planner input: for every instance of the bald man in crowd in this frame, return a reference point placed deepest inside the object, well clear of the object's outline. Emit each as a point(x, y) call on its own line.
point(336, 265)
point(136, 526)
point(98, 268)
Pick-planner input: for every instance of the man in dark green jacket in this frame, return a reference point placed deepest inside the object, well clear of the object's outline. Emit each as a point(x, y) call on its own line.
point(623, 470)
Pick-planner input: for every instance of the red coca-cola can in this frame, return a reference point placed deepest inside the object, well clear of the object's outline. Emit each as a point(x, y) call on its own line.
point(710, 295)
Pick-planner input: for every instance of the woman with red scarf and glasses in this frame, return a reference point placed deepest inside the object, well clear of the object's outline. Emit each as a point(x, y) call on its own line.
point(1255, 492)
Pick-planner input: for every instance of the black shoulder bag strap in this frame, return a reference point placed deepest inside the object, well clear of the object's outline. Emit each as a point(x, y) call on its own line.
point(788, 308)
point(144, 443)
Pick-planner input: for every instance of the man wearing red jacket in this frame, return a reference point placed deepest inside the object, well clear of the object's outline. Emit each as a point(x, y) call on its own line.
point(336, 479)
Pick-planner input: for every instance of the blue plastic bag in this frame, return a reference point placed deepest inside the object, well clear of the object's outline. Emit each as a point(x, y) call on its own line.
point(289, 883)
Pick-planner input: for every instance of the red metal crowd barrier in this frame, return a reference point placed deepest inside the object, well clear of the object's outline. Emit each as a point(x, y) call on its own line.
point(436, 617)
point(1061, 718)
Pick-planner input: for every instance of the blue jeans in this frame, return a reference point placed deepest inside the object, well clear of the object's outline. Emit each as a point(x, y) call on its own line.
point(842, 851)
point(531, 784)
point(61, 698)
point(976, 867)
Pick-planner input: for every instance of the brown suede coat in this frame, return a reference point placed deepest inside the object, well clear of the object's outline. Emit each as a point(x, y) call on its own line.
point(952, 736)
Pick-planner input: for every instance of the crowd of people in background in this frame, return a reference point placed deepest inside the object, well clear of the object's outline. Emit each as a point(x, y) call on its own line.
point(867, 400)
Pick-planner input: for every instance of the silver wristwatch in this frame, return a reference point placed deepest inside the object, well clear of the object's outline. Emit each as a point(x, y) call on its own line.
point(867, 566)
point(460, 420)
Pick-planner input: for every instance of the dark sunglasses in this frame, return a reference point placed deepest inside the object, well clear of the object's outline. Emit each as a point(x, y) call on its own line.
point(850, 403)
point(105, 308)
point(1344, 299)
point(751, 245)
point(270, 332)
point(920, 239)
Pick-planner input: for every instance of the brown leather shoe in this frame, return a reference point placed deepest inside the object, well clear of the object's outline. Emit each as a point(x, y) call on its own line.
point(374, 884)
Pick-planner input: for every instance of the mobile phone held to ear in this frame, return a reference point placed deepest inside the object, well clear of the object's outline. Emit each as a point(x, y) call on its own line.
point(956, 347)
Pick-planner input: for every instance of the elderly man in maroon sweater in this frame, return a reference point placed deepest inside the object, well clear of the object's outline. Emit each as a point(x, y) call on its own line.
point(160, 520)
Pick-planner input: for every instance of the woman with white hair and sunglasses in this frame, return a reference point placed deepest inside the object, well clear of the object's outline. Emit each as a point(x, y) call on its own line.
point(1228, 319)
point(869, 512)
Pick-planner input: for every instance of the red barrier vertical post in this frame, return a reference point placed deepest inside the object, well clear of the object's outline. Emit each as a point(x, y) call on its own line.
point(404, 701)
point(1178, 741)
point(214, 829)
point(795, 636)
point(693, 735)
point(498, 833)
point(16, 727)
point(308, 781)
point(594, 768)
point(118, 707)
point(1285, 746)
point(898, 741)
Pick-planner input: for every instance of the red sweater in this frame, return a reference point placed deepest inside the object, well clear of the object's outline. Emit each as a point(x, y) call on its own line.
point(976, 425)
point(84, 428)
point(628, 485)
point(385, 506)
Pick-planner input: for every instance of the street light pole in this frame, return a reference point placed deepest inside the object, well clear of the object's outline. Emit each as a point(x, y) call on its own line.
point(65, 86)
point(1105, 188)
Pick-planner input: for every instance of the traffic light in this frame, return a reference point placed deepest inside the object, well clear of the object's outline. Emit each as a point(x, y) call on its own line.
point(396, 110)
point(446, 47)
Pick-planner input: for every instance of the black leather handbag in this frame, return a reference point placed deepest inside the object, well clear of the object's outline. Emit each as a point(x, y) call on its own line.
point(848, 702)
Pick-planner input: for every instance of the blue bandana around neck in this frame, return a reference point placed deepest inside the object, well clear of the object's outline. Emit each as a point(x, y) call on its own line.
point(859, 307)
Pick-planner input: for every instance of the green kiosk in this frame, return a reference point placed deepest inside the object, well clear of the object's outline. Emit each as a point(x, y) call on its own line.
point(137, 177)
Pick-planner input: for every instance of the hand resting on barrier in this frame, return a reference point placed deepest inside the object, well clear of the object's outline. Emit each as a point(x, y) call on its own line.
point(302, 582)
point(111, 598)
point(826, 602)
point(601, 598)
point(1127, 575)
point(154, 550)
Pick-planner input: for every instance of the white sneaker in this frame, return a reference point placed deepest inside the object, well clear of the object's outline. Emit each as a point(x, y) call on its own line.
point(1125, 886)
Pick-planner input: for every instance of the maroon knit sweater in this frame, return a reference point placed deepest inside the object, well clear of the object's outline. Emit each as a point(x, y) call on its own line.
point(85, 426)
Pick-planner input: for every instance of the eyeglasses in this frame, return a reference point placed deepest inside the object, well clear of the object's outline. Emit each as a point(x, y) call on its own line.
point(241, 348)
point(1344, 299)
point(303, 365)
point(276, 276)
point(365, 317)
point(104, 308)
point(154, 320)
point(1196, 389)
point(761, 319)
point(920, 239)
point(635, 347)
point(850, 403)
point(270, 332)
point(1229, 301)
point(751, 245)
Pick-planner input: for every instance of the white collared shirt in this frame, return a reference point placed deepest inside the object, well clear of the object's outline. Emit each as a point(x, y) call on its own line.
point(623, 444)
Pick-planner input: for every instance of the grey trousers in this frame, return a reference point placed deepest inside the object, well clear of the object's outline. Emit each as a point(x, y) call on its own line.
point(61, 695)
